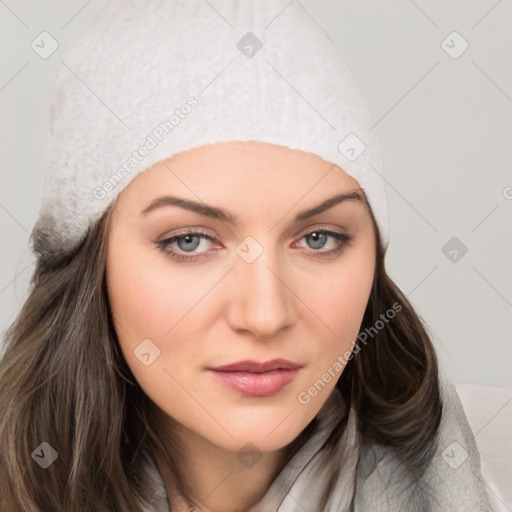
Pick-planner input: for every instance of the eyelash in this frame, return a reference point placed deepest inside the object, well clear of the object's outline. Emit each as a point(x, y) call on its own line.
point(342, 240)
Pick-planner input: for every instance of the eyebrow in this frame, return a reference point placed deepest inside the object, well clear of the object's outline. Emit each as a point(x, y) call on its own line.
point(223, 215)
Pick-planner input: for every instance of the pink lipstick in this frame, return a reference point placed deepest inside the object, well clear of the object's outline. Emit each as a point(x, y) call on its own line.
point(252, 378)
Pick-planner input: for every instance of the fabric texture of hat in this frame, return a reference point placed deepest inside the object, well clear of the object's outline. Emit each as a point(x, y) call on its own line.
point(152, 78)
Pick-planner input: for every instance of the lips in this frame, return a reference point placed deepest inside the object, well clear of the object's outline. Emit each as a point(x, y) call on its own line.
point(257, 367)
point(253, 378)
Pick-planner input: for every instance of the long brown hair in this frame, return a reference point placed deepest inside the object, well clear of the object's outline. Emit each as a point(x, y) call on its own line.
point(64, 381)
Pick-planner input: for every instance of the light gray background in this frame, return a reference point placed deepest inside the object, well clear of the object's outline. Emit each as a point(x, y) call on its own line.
point(446, 132)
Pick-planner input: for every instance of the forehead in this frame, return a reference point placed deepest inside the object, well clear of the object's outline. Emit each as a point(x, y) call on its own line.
point(248, 177)
point(225, 165)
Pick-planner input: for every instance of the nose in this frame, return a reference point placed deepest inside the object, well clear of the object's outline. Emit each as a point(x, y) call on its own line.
point(262, 299)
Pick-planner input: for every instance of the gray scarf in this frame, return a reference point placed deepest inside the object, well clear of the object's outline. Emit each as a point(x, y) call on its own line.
point(369, 477)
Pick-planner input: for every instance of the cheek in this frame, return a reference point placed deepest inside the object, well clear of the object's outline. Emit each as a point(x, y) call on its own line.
point(340, 303)
point(145, 298)
point(348, 302)
point(145, 307)
point(150, 301)
point(136, 299)
point(141, 306)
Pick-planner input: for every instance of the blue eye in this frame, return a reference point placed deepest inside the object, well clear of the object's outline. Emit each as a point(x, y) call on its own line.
point(319, 238)
point(188, 242)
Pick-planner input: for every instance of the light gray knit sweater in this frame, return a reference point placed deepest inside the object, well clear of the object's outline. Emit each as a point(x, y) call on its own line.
point(371, 478)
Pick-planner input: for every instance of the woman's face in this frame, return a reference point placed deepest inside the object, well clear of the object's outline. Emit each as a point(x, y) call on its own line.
point(257, 284)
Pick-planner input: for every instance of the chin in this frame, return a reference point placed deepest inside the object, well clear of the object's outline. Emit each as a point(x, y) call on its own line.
point(269, 430)
point(257, 441)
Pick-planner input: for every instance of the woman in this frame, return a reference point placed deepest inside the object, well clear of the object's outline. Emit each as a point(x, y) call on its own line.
point(211, 326)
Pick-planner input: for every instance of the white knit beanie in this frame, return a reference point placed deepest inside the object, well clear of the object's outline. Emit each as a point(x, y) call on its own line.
point(151, 78)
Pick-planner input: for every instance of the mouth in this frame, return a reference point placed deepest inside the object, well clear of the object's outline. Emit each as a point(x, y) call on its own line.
point(252, 378)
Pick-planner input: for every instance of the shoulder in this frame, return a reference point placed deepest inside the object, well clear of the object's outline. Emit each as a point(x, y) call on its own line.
point(146, 471)
point(451, 482)
point(454, 474)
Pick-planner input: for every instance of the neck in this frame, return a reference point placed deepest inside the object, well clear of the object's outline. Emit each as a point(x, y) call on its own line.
point(220, 480)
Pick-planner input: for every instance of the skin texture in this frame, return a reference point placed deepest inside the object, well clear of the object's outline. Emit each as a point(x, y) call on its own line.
point(294, 301)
